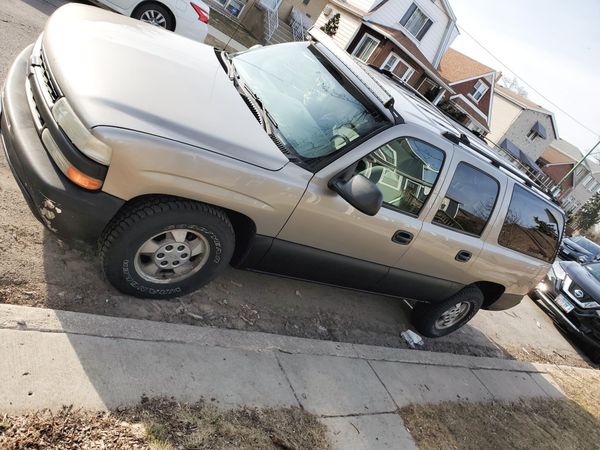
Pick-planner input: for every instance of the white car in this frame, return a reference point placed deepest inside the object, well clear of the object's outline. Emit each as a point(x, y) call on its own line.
point(188, 18)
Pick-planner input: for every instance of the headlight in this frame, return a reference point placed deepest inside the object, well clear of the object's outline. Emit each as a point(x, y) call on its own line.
point(81, 137)
point(65, 166)
point(557, 272)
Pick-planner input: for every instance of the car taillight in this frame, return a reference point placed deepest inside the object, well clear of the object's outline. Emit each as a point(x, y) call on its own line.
point(202, 15)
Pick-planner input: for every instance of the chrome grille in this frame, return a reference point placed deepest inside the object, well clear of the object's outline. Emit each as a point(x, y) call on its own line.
point(49, 84)
point(586, 298)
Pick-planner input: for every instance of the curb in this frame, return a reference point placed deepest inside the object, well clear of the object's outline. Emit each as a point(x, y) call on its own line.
point(44, 320)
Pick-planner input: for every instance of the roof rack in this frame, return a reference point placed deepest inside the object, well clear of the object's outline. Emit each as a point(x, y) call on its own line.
point(464, 139)
point(497, 162)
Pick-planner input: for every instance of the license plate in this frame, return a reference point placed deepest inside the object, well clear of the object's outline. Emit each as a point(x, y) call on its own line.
point(564, 304)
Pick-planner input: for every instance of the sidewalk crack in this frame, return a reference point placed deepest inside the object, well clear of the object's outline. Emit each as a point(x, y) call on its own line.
point(288, 380)
point(384, 386)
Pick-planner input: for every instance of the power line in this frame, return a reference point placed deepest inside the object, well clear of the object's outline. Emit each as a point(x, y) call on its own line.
point(527, 84)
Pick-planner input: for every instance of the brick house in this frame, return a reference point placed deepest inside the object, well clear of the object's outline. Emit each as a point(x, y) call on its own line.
point(556, 162)
point(406, 37)
point(473, 84)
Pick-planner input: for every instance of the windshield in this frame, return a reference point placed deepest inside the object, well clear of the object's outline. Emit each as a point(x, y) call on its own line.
point(587, 244)
point(315, 110)
point(594, 269)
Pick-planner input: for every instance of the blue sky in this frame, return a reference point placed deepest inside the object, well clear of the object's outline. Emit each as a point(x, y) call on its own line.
point(552, 45)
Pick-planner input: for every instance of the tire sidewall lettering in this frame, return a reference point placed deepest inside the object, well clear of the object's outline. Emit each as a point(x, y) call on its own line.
point(131, 277)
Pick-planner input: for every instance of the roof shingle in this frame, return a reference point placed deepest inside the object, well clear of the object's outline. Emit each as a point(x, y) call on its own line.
point(456, 66)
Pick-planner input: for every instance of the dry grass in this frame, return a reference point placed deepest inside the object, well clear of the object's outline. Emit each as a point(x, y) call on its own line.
point(532, 424)
point(165, 425)
point(170, 425)
point(70, 429)
point(580, 385)
point(572, 423)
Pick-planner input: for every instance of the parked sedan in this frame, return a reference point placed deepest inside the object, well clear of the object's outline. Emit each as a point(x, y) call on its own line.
point(580, 249)
point(188, 18)
point(570, 293)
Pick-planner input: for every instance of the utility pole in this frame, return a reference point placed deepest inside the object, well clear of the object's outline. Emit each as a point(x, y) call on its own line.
point(557, 187)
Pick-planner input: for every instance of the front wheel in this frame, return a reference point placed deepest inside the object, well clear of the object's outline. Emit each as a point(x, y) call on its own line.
point(155, 14)
point(166, 247)
point(439, 319)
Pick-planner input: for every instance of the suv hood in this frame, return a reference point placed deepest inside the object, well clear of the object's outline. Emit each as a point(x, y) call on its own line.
point(117, 71)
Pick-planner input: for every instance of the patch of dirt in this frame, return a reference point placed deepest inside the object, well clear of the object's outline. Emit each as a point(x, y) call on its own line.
point(533, 354)
point(165, 425)
point(531, 424)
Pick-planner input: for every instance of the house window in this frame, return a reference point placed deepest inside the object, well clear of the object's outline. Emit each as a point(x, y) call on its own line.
point(234, 7)
point(478, 90)
point(579, 171)
point(587, 181)
point(393, 62)
point(365, 47)
point(416, 22)
point(593, 186)
point(390, 62)
point(531, 136)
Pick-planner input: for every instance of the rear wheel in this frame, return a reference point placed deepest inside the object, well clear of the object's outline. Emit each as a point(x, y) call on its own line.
point(440, 319)
point(155, 14)
point(166, 247)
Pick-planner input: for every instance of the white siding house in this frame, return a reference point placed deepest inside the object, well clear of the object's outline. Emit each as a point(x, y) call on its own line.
point(406, 37)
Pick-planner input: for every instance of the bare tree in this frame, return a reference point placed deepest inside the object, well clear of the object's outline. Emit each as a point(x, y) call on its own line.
point(514, 84)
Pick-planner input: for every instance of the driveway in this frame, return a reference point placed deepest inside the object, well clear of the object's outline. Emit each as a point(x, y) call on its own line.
point(38, 270)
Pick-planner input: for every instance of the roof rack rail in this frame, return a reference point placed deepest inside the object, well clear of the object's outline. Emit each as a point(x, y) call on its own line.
point(496, 162)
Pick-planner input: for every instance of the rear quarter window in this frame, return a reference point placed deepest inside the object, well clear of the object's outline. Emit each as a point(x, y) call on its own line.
point(531, 226)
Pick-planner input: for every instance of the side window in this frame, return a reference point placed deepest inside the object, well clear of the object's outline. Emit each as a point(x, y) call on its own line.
point(469, 201)
point(530, 226)
point(405, 171)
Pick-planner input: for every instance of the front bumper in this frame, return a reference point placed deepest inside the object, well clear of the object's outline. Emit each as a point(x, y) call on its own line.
point(64, 208)
point(579, 321)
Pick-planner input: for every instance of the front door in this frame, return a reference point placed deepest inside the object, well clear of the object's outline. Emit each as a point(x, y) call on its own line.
point(328, 240)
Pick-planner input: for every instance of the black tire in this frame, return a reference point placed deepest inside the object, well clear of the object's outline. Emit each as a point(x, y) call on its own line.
point(149, 8)
point(533, 295)
point(140, 221)
point(426, 315)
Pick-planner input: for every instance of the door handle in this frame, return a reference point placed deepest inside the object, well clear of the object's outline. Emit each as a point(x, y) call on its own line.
point(463, 256)
point(402, 237)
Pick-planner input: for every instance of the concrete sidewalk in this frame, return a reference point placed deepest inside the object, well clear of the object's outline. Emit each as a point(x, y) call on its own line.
point(50, 358)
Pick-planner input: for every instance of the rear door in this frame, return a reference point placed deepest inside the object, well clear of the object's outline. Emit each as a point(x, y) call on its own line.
point(328, 240)
point(454, 230)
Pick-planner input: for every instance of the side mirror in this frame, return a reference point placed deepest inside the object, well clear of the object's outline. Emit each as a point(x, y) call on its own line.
point(360, 192)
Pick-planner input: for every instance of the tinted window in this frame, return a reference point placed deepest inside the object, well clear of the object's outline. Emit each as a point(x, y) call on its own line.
point(530, 226)
point(405, 171)
point(594, 269)
point(469, 201)
point(590, 246)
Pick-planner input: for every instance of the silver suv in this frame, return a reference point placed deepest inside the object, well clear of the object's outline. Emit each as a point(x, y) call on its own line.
point(291, 159)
